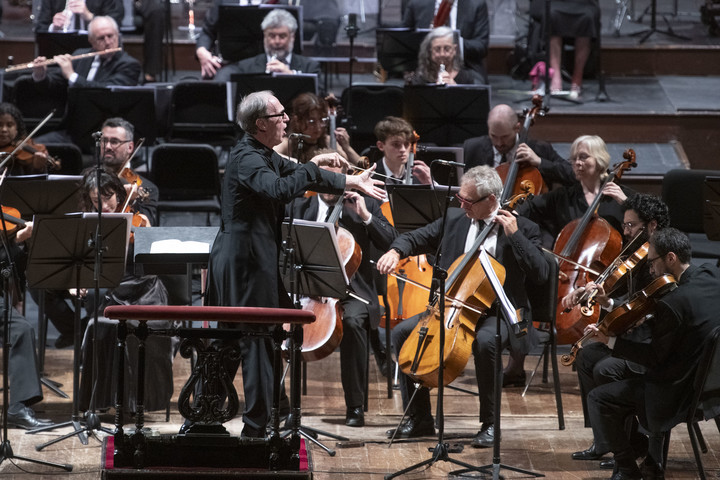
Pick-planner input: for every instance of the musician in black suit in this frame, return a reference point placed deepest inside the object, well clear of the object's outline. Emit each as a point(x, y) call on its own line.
point(501, 145)
point(394, 139)
point(117, 68)
point(683, 321)
point(279, 27)
point(361, 216)
point(470, 17)
point(243, 269)
point(514, 242)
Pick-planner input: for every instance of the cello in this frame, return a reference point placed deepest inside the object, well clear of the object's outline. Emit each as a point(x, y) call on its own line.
point(470, 294)
point(516, 178)
point(626, 316)
point(324, 335)
point(586, 243)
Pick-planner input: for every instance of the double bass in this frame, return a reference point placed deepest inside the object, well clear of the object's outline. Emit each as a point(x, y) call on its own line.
point(587, 243)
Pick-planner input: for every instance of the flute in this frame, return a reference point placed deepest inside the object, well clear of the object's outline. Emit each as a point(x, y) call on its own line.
point(52, 61)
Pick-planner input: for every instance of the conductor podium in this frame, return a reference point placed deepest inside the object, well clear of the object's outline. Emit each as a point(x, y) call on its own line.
point(212, 448)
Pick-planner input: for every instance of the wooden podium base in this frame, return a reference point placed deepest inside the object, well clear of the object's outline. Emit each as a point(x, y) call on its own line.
point(173, 456)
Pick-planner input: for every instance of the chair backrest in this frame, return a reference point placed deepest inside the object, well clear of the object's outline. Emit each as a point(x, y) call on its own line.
point(199, 111)
point(35, 104)
point(368, 104)
point(185, 171)
point(70, 156)
point(707, 379)
point(682, 191)
point(544, 299)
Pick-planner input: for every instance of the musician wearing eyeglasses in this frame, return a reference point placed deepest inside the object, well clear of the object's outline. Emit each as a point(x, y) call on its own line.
point(644, 214)
point(682, 322)
point(440, 61)
point(470, 17)
point(101, 70)
point(512, 241)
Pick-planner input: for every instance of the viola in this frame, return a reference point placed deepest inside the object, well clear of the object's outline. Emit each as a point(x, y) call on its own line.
point(323, 336)
point(516, 178)
point(25, 155)
point(590, 243)
point(12, 219)
point(470, 295)
point(626, 316)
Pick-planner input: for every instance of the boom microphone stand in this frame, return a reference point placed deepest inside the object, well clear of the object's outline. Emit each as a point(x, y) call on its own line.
point(7, 270)
point(352, 32)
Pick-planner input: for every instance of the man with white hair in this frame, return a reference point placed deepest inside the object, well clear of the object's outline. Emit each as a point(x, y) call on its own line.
point(279, 27)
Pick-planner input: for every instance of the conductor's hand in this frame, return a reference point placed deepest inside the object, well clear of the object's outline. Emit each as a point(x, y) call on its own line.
point(365, 184)
point(388, 262)
point(356, 202)
point(506, 220)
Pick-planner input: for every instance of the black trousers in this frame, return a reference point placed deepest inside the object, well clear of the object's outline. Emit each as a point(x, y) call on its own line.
point(610, 406)
point(353, 352)
point(483, 349)
point(23, 376)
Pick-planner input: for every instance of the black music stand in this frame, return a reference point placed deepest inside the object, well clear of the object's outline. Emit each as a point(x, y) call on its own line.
point(414, 206)
point(42, 195)
point(452, 154)
point(239, 33)
point(285, 86)
point(653, 26)
point(89, 107)
point(63, 254)
point(447, 115)
point(711, 207)
point(314, 269)
point(398, 49)
point(49, 44)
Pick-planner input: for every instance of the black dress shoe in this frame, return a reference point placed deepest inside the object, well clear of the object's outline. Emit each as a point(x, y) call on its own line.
point(252, 432)
point(590, 454)
point(621, 475)
point(607, 464)
point(25, 418)
point(485, 437)
point(651, 470)
point(514, 380)
point(185, 426)
point(412, 428)
point(355, 417)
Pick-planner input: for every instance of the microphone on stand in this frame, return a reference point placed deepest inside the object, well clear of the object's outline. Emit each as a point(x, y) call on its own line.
point(97, 135)
point(447, 163)
point(299, 135)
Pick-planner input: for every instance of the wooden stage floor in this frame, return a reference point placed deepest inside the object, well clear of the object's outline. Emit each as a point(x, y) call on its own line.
point(530, 438)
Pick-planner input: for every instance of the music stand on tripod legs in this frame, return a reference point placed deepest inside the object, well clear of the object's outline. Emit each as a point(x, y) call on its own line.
point(62, 254)
point(313, 269)
point(6, 451)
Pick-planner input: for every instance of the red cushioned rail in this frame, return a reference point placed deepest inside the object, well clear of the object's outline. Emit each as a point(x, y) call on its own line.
point(211, 314)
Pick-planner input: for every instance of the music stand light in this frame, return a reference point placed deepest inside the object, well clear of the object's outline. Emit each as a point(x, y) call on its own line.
point(447, 115)
point(239, 33)
point(63, 254)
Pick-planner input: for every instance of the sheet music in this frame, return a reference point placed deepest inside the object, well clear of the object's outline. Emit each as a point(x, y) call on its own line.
point(173, 245)
point(505, 302)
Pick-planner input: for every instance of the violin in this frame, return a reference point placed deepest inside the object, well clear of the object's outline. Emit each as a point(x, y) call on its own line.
point(25, 154)
point(626, 316)
point(516, 178)
point(323, 336)
point(12, 220)
point(470, 293)
point(588, 243)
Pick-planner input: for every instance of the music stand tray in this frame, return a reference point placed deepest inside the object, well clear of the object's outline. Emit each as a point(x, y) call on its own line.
point(414, 206)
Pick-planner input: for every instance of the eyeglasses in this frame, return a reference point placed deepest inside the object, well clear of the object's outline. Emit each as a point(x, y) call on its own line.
point(323, 121)
point(443, 48)
point(281, 114)
point(652, 260)
point(582, 157)
point(114, 142)
point(470, 202)
point(631, 224)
